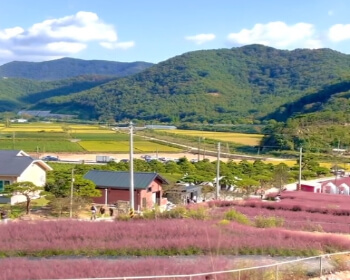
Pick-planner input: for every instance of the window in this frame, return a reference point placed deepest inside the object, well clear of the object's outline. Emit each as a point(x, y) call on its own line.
point(149, 189)
point(3, 184)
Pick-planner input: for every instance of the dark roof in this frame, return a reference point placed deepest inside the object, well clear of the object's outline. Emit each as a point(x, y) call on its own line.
point(121, 180)
point(13, 162)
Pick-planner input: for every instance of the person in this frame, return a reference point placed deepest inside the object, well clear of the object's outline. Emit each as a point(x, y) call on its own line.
point(111, 211)
point(3, 215)
point(262, 194)
point(93, 212)
point(102, 211)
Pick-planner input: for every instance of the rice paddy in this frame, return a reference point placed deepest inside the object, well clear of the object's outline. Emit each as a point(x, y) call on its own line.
point(237, 138)
point(124, 146)
point(63, 137)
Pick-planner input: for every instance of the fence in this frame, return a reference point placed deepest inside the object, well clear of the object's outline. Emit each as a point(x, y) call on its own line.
point(320, 261)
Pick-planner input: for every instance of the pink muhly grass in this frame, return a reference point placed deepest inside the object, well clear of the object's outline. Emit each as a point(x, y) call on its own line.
point(295, 220)
point(22, 268)
point(153, 237)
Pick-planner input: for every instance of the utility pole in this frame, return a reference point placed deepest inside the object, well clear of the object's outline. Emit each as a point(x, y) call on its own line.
point(218, 174)
point(199, 145)
point(106, 197)
point(300, 160)
point(131, 164)
point(71, 195)
point(13, 140)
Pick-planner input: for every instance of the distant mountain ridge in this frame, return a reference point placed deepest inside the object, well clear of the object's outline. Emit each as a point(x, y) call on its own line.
point(238, 85)
point(242, 85)
point(65, 68)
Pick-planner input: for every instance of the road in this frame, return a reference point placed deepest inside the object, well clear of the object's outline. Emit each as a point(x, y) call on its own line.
point(91, 157)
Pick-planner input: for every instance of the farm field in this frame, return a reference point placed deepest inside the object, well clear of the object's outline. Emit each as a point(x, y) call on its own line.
point(141, 146)
point(238, 138)
point(84, 142)
point(198, 238)
point(61, 137)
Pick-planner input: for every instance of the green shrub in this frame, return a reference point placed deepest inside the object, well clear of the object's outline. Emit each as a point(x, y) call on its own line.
point(268, 222)
point(233, 215)
point(123, 217)
point(199, 213)
point(151, 214)
point(224, 222)
point(175, 213)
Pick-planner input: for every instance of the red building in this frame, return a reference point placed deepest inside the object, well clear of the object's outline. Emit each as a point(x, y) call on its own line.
point(310, 187)
point(115, 186)
point(339, 185)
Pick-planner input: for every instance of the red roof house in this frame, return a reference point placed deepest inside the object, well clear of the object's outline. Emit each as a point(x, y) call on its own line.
point(115, 186)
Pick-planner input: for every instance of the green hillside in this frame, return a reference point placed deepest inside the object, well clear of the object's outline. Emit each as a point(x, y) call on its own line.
point(16, 94)
point(239, 85)
point(69, 67)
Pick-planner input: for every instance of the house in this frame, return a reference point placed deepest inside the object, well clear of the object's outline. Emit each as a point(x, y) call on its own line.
point(338, 185)
point(115, 186)
point(185, 193)
point(310, 187)
point(18, 166)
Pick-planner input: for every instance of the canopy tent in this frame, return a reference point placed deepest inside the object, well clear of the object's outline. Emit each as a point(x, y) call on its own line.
point(329, 188)
point(344, 189)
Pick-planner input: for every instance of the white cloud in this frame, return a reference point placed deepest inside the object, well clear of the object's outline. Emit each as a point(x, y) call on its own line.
point(116, 45)
point(278, 34)
point(59, 37)
point(201, 38)
point(10, 32)
point(65, 47)
point(339, 32)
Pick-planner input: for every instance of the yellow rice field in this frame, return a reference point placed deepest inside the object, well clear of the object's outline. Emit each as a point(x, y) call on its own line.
point(31, 129)
point(95, 131)
point(54, 127)
point(123, 146)
point(238, 138)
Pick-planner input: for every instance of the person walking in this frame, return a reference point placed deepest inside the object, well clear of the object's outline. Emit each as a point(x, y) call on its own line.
point(3, 215)
point(93, 212)
point(111, 212)
point(102, 211)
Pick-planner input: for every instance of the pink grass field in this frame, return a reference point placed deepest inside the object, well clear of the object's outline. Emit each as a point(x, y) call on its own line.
point(73, 249)
point(158, 237)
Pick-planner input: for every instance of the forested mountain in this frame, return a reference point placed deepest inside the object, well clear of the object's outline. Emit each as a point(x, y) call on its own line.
point(16, 94)
point(69, 67)
point(238, 85)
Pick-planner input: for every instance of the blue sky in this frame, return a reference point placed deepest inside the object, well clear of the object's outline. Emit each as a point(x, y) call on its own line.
point(156, 30)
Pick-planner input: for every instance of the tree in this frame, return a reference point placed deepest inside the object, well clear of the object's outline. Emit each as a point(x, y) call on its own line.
point(207, 191)
point(264, 181)
point(249, 185)
point(280, 175)
point(85, 188)
point(58, 183)
point(28, 189)
point(308, 162)
point(171, 167)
